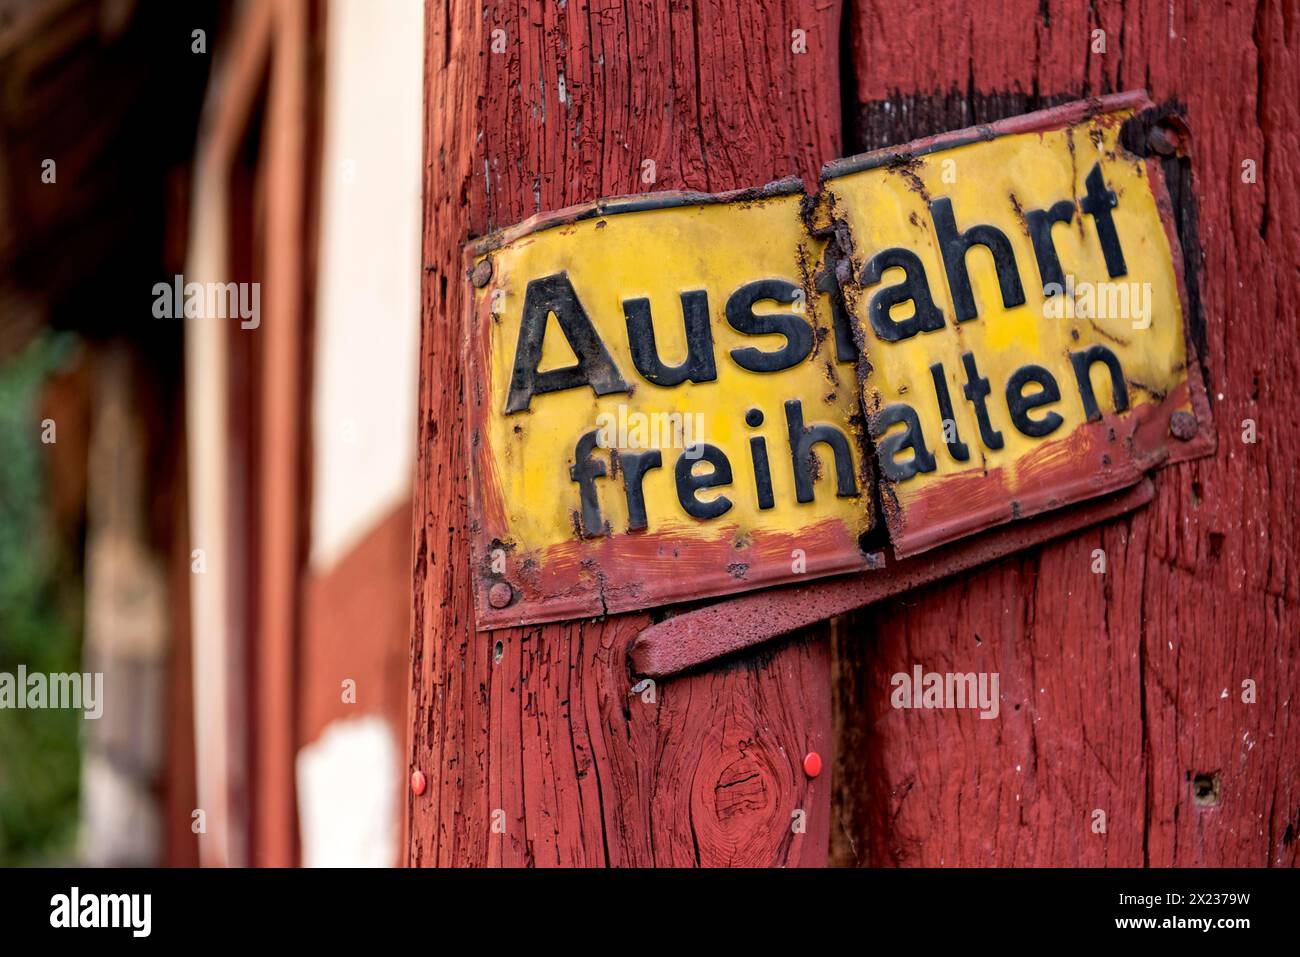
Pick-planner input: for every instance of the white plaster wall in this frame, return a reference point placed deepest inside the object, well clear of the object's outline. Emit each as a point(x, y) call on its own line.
point(367, 312)
point(347, 795)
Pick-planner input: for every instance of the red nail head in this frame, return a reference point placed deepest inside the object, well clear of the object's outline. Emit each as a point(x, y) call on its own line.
point(812, 764)
point(417, 782)
point(500, 595)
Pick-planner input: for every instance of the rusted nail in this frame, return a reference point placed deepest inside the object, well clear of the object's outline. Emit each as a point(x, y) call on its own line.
point(482, 273)
point(417, 782)
point(500, 595)
point(812, 764)
point(1183, 425)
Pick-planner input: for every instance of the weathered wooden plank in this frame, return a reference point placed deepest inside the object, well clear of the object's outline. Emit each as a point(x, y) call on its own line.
point(534, 729)
point(1119, 690)
point(278, 542)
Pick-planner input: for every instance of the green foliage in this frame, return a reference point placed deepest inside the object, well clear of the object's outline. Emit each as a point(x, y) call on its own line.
point(40, 625)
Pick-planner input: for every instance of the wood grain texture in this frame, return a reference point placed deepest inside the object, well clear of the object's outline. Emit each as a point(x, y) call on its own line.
point(538, 722)
point(1118, 690)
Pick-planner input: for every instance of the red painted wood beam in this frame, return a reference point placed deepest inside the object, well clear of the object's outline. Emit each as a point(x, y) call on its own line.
point(534, 750)
point(705, 634)
point(1120, 690)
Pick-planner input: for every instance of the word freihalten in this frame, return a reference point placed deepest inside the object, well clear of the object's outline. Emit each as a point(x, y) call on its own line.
point(58, 691)
point(103, 910)
point(927, 317)
point(209, 300)
point(595, 368)
point(946, 690)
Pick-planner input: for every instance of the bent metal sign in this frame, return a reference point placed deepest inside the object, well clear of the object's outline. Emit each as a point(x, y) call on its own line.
point(678, 395)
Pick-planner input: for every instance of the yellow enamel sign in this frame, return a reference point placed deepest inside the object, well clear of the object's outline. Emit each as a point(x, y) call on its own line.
point(679, 395)
point(662, 407)
point(1021, 319)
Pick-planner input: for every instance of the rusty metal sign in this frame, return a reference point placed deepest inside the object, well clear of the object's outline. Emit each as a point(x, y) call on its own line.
point(662, 406)
point(1019, 293)
point(679, 396)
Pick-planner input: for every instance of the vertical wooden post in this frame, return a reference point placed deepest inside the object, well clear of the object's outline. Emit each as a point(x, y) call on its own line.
point(247, 497)
point(1122, 692)
point(219, 667)
point(534, 749)
point(280, 487)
